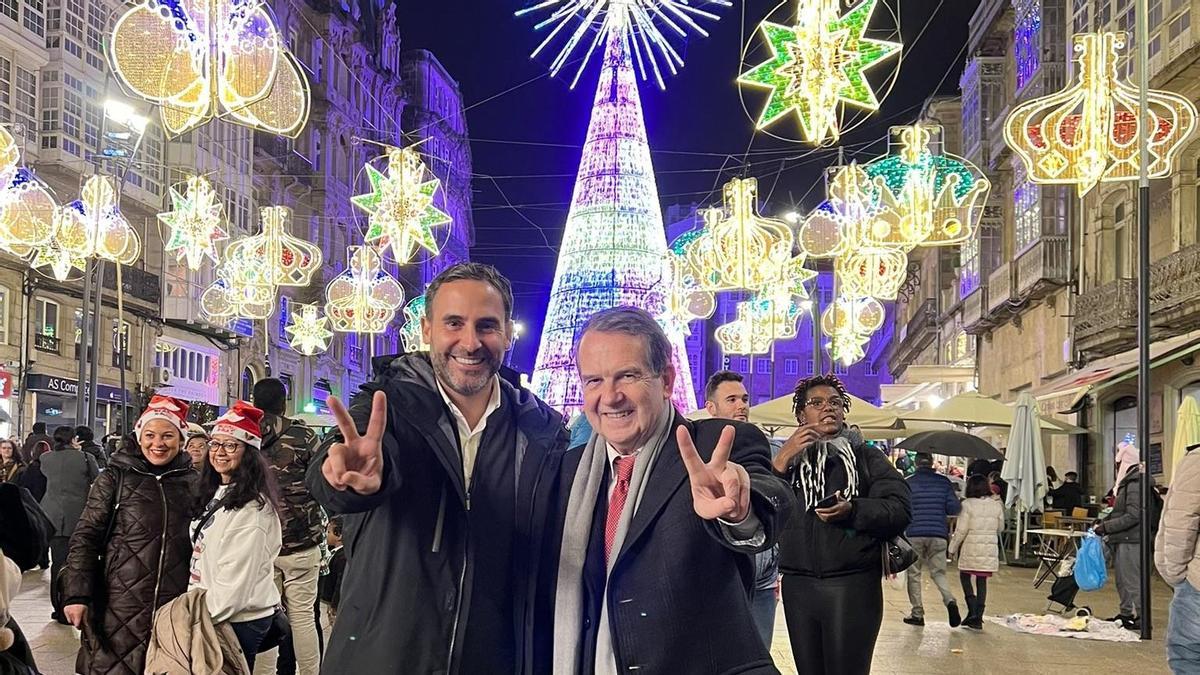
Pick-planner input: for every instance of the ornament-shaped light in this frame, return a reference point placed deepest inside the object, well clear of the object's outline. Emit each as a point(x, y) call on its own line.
point(273, 257)
point(27, 210)
point(363, 298)
point(308, 332)
point(818, 64)
point(202, 59)
point(93, 225)
point(400, 204)
point(411, 335)
point(760, 321)
point(1087, 133)
point(195, 221)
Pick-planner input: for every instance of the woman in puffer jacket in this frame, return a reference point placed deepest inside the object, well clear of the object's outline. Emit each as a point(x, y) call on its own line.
point(976, 543)
point(236, 535)
point(129, 553)
point(1177, 557)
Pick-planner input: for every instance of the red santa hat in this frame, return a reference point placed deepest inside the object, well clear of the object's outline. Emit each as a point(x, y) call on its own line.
point(243, 421)
point(164, 408)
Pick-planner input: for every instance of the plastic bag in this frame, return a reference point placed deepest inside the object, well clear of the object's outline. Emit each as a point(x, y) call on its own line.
point(1090, 570)
point(899, 581)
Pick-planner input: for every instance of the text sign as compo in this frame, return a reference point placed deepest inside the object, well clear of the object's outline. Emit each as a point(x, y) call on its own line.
point(68, 387)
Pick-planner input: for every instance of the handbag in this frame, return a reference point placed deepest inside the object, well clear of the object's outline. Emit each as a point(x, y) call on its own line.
point(898, 555)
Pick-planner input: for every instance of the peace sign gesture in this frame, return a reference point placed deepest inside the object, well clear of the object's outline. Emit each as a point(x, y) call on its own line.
point(720, 488)
point(357, 462)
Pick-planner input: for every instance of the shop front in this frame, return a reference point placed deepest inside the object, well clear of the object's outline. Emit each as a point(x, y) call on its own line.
point(7, 420)
point(54, 399)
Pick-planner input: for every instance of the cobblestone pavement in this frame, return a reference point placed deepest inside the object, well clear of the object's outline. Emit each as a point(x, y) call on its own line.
point(901, 649)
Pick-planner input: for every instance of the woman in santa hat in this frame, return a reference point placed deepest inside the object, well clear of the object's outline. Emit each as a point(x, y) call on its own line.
point(129, 553)
point(237, 535)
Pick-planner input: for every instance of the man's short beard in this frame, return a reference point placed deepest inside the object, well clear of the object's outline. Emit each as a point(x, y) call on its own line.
point(441, 368)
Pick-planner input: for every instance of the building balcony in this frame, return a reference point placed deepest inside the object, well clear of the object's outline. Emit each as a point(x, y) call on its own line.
point(974, 319)
point(272, 149)
point(916, 336)
point(1000, 292)
point(1175, 292)
point(1106, 318)
point(135, 284)
point(997, 150)
point(1043, 267)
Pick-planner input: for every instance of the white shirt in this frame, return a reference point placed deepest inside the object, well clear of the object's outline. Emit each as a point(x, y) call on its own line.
point(468, 438)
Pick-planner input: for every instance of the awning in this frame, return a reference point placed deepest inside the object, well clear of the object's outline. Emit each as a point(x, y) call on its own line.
point(1110, 370)
point(972, 409)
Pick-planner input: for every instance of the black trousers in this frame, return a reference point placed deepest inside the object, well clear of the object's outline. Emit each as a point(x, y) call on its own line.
point(833, 622)
point(58, 558)
point(980, 590)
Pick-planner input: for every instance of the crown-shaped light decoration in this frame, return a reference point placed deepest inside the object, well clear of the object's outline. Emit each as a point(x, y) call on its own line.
point(363, 298)
point(196, 222)
point(202, 59)
point(760, 321)
point(739, 249)
point(225, 301)
point(926, 197)
point(817, 64)
point(400, 204)
point(411, 335)
point(27, 209)
point(272, 257)
point(308, 333)
point(1087, 133)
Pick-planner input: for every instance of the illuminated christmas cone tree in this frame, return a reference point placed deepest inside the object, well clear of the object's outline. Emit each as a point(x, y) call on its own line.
point(614, 243)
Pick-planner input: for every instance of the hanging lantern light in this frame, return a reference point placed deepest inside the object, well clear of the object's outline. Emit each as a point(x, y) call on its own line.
point(739, 249)
point(363, 298)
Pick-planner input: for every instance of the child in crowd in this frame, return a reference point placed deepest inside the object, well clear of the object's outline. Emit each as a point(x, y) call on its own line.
point(330, 590)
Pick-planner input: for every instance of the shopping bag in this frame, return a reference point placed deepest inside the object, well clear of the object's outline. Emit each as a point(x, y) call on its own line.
point(898, 582)
point(1090, 570)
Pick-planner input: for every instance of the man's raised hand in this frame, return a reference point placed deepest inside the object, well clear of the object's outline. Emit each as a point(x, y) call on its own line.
point(720, 488)
point(357, 462)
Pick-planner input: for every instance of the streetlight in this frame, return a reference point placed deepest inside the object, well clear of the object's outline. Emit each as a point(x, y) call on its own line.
point(792, 217)
point(517, 328)
point(122, 113)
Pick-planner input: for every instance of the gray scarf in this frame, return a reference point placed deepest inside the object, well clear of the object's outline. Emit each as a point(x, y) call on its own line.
point(809, 474)
point(577, 530)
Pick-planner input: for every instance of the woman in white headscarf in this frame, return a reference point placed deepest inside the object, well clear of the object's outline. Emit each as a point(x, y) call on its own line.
point(1122, 529)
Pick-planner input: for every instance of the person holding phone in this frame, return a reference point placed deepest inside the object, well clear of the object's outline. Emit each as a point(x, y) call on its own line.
point(850, 501)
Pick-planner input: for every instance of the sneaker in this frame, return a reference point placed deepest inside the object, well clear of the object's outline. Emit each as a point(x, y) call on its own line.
point(955, 617)
point(1132, 624)
point(914, 620)
point(1120, 618)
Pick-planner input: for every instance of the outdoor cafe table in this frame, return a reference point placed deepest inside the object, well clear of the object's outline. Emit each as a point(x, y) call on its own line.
point(1053, 547)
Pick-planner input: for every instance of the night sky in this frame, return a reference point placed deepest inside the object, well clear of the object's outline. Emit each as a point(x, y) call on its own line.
point(527, 129)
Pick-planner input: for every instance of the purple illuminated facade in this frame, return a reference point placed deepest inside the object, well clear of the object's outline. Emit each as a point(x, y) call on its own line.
point(614, 245)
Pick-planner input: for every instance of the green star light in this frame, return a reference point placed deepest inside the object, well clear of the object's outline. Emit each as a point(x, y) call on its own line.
point(401, 206)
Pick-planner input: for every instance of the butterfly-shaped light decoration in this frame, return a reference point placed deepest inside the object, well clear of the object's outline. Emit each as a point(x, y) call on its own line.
point(272, 257)
point(363, 298)
point(195, 220)
point(400, 204)
point(93, 225)
point(203, 59)
point(411, 335)
point(27, 209)
point(308, 333)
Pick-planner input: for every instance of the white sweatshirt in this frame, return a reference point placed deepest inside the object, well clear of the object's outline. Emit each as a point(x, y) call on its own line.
point(234, 559)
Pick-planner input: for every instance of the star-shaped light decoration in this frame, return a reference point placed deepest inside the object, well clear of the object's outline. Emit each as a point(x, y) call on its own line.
point(93, 225)
point(411, 335)
point(363, 298)
point(818, 63)
point(196, 218)
point(400, 204)
point(308, 332)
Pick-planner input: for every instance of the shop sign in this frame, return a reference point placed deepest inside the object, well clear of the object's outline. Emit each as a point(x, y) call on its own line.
point(6, 383)
point(68, 387)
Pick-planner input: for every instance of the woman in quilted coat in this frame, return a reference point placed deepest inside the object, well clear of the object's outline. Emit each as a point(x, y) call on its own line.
point(1177, 557)
point(130, 551)
point(977, 544)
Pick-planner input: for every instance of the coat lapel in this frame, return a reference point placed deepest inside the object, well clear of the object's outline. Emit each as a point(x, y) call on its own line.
point(666, 477)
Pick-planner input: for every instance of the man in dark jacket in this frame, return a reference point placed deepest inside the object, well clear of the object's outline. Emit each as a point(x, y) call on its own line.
point(933, 501)
point(1068, 496)
point(437, 493)
point(645, 564)
point(86, 439)
point(69, 474)
point(289, 447)
point(38, 435)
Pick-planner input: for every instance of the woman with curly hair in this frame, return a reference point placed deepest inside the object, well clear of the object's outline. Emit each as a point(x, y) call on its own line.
point(852, 500)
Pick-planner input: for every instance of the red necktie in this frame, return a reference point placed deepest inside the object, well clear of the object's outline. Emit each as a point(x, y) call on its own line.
point(616, 503)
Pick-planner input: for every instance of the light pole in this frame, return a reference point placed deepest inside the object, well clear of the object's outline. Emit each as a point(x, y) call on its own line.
point(517, 328)
point(1143, 390)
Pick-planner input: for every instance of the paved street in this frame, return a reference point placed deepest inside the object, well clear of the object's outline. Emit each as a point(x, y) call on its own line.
point(902, 649)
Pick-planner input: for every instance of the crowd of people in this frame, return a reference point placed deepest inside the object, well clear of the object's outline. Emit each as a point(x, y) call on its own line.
point(452, 522)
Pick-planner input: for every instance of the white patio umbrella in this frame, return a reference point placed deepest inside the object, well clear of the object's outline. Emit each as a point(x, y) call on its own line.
point(1024, 463)
point(1187, 431)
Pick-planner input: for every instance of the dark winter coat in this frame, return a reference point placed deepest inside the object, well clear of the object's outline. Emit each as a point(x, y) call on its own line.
point(28, 448)
point(69, 473)
point(678, 593)
point(406, 600)
point(289, 446)
point(933, 499)
point(97, 453)
point(1123, 525)
point(145, 558)
point(812, 547)
point(1067, 497)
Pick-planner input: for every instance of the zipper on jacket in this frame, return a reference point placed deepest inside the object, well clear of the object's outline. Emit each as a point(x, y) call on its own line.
point(462, 577)
point(162, 542)
point(441, 521)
